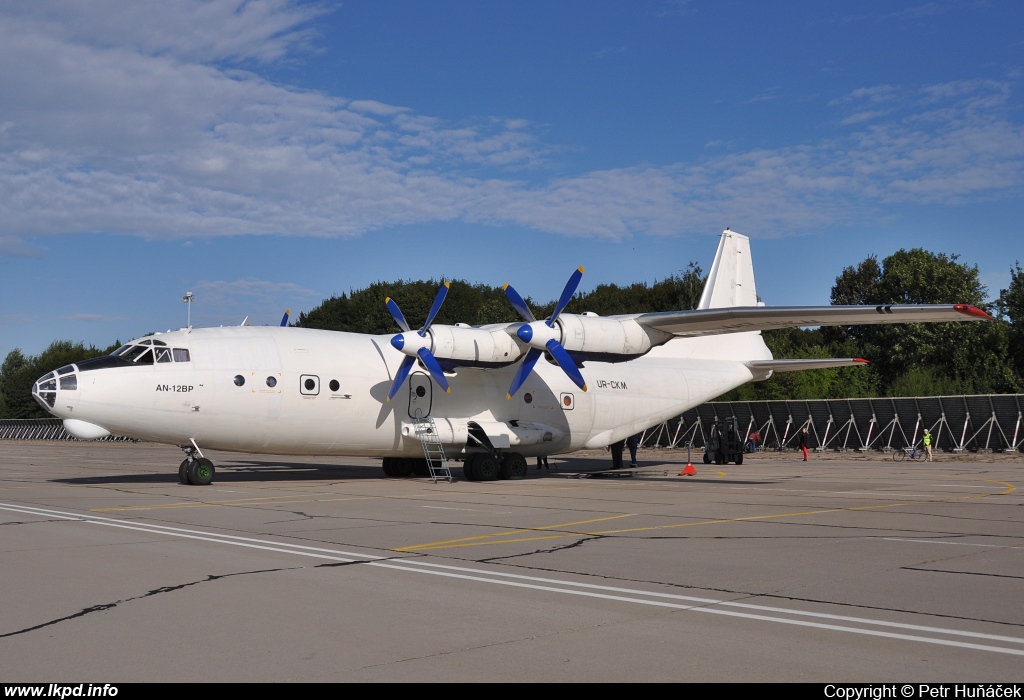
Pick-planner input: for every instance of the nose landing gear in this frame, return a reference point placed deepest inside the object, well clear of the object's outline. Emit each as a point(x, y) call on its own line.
point(195, 470)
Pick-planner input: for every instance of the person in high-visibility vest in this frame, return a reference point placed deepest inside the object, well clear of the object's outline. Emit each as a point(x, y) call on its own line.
point(927, 441)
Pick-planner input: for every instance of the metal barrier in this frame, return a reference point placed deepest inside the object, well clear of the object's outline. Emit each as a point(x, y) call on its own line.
point(44, 429)
point(983, 423)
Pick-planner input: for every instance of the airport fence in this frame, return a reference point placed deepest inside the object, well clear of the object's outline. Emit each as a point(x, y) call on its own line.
point(43, 429)
point(981, 423)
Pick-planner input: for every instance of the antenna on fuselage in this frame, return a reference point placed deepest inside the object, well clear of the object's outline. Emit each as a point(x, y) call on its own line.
point(188, 299)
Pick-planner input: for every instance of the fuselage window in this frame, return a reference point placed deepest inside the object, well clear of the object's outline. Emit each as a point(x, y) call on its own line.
point(69, 383)
point(180, 354)
point(334, 385)
point(239, 380)
point(163, 354)
point(271, 382)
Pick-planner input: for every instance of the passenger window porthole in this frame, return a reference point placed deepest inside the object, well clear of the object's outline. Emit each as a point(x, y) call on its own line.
point(239, 380)
point(310, 385)
point(528, 398)
point(334, 385)
point(421, 392)
point(271, 382)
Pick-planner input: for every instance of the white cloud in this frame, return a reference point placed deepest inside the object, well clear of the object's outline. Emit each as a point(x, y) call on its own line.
point(107, 124)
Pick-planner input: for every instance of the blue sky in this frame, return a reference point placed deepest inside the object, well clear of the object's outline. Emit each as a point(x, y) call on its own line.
point(268, 154)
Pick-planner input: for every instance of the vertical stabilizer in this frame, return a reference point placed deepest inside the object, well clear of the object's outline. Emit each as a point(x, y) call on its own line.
point(731, 280)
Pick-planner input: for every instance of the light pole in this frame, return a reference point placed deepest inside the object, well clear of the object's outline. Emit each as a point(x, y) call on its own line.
point(188, 299)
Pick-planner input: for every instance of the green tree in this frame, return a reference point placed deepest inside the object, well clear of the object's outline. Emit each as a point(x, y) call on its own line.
point(1011, 310)
point(954, 357)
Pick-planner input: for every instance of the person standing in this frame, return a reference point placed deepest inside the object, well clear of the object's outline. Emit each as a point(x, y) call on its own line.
point(542, 461)
point(927, 441)
point(617, 454)
point(633, 442)
point(803, 442)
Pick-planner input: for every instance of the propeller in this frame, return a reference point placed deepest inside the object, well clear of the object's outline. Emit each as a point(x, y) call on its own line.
point(284, 319)
point(543, 335)
point(415, 344)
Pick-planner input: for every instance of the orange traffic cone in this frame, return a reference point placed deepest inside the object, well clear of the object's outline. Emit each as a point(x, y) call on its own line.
point(688, 470)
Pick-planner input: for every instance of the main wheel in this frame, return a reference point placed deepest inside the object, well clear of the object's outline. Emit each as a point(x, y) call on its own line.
point(420, 467)
point(514, 466)
point(200, 472)
point(739, 459)
point(719, 458)
point(388, 464)
point(401, 466)
point(183, 472)
point(707, 458)
point(469, 467)
point(486, 468)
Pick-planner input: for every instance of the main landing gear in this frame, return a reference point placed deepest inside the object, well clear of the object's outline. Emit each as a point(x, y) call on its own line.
point(195, 470)
point(482, 466)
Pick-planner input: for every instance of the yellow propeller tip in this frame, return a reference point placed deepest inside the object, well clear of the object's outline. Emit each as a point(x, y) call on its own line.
point(388, 399)
point(448, 390)
point(508, 396)
point(580, 268)
point(504, 287)
point(387, 299)
point(584, 387)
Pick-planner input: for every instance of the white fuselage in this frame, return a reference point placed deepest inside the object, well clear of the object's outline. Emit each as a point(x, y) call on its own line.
point(327, 394)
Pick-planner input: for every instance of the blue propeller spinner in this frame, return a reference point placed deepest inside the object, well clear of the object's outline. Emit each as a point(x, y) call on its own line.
point(543, 335)
point(415, 344)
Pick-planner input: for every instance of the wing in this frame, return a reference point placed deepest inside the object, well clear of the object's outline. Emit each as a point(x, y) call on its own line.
point(812, 363)
point(738, 319)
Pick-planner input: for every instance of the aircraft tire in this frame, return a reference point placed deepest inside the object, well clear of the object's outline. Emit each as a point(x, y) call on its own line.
point(387, 463)
point(707, 458)
point(183, 472)
point(402, 467)
point(420, 467)
point(201, 472)
point(469, 467)
point(739, 459)
point(514, 466)
point(486, 468)
point(719, 458)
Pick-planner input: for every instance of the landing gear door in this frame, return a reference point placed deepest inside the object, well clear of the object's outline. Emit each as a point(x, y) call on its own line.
point(419, 395)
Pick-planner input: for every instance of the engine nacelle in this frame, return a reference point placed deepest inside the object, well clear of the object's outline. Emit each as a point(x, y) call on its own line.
point(486, 346)
point(600, 335)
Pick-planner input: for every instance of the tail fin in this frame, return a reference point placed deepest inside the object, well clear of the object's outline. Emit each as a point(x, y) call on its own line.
point(731, 280)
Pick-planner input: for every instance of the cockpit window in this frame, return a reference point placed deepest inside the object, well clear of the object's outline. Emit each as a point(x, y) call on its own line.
point(139, 354)
point(162, 354)
point(181, 355)
point(122, 350)
point(66, 369)
point(159, 342)
point(69, 383)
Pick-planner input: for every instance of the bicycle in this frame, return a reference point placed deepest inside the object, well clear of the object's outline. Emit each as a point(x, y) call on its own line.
point(912, 453)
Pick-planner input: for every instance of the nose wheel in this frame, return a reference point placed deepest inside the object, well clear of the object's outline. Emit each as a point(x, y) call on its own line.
point(195, 470)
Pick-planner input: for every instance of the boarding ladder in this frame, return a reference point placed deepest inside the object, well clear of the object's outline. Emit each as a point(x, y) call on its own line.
point(433, 450)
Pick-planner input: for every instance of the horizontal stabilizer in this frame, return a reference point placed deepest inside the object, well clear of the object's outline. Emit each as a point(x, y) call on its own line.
point(739, 319)
point(811, 363)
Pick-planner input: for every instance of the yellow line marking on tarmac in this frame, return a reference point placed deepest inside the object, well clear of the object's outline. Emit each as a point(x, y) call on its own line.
point(465, 541)
point(444, 544)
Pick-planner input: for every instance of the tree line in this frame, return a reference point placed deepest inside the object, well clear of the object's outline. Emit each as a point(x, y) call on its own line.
point(905, 359)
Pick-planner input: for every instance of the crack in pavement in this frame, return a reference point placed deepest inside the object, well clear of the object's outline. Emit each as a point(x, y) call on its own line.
point(156, 591)
point(965, 573)
point(584, 538)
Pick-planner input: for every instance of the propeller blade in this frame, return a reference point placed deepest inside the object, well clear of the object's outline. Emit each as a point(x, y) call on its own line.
point(438, 300)
point(570, 289)
point(284, 320)
point(396, 313)
point(566, 363)
point(400, 375)
point(519, 304)
point(435, 369)
point(524, 371)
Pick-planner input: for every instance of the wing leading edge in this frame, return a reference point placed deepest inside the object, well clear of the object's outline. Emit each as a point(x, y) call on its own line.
point(738, 319)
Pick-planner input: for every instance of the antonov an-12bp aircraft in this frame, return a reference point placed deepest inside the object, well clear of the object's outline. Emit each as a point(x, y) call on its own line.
point(492, 395)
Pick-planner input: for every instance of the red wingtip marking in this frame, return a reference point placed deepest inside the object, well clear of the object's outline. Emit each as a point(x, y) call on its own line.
point(971, 311)
point(860, 359)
